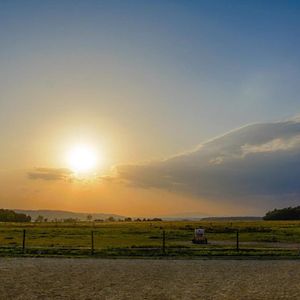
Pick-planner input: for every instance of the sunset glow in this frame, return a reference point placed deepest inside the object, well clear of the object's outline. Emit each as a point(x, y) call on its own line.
point(82, 158)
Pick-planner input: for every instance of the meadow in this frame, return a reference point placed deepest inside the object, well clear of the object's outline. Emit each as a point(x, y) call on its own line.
point(145, 239)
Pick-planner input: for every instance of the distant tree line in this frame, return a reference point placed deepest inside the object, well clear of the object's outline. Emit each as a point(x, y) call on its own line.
point(7, 215)
point(288, 213)
point(128, 219)
point(143, 220)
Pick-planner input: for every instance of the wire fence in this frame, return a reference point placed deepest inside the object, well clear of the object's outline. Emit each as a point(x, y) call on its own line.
point(154, 242)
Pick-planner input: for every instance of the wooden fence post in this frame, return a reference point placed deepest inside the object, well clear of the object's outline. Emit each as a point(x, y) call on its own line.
point(164, 242)
point(237, 242)
point(24, 238)
point(92, 242)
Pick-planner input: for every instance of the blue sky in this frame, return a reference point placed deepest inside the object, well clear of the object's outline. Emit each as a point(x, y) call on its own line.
point(235, 60)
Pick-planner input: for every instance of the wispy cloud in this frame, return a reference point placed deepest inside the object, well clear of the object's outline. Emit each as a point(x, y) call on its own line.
point(50, 174)
point(278, 144)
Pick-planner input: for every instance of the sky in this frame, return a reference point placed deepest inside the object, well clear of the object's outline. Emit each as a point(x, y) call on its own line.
point(164, 92)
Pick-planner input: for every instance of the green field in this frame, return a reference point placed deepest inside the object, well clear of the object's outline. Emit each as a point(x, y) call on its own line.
point(119, 239)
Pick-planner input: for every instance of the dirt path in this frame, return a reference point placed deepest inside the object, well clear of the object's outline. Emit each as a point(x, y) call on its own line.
point(259, 244)
point(50, 278)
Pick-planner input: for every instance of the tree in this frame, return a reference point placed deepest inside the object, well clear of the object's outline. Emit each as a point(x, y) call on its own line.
point(288, 213)
point(7, 215)
point(89, 217)
point(39, 218)
point(111, 219)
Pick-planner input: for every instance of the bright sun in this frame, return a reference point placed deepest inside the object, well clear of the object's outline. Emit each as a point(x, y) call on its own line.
point(82, 158)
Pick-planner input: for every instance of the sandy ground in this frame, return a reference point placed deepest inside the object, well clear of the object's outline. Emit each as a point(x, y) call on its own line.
point(50, 278)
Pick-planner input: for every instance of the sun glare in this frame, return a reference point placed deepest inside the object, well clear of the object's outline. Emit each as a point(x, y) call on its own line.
point(82, 159)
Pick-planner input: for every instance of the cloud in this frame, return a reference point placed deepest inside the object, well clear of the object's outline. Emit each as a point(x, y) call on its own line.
point(278, 144)
point(50, 174)
point(259, 161)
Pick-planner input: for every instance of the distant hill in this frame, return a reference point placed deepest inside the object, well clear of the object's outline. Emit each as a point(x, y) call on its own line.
point(51, 215)
point(246, 218)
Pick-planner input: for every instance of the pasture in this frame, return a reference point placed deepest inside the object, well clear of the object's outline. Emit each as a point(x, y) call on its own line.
point(145, 239)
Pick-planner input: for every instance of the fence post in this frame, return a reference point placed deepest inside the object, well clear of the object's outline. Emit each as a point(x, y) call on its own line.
point(24, 238)
point(164, 242)
point(237, 242)
point(92, 242)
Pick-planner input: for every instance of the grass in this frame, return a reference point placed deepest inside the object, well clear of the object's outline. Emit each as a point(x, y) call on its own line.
point(144, 239)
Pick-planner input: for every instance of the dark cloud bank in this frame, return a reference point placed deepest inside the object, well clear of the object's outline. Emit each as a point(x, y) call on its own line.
point(259, 162)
